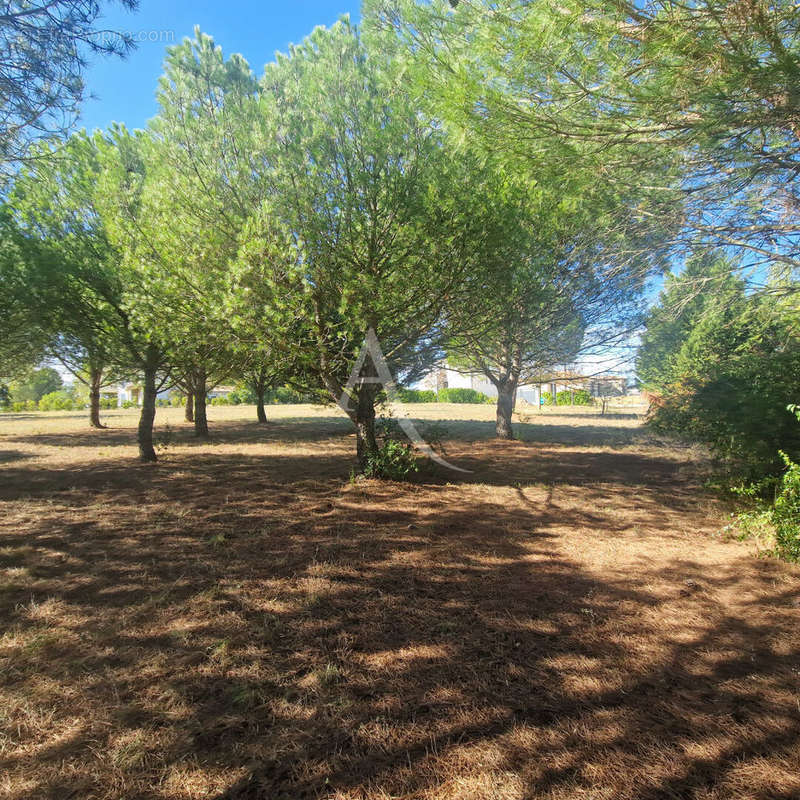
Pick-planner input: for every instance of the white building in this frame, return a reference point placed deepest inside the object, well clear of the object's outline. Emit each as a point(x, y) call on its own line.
point(445, 377)
point(131, 392)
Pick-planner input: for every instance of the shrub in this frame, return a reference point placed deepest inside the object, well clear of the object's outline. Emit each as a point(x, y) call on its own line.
point(220, 401)
point(242, 394)
point(285, 395)
point(463, 396)
point(129, 404)
point(57, 401)
point(108, 402)
point(781, 518)
point(394, 460)
point(785, 515)
point(547, 399)
point(568, 398)
point(416, 395)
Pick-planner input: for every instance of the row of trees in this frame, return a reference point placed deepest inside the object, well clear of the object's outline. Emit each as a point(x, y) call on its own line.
point(261, 228)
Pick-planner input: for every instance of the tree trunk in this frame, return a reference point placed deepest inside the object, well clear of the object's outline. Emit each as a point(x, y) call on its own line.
point(188, 412)
point(260, 410)
point(200, 418)
point(148, 415)
point(95, 380)
point(364, 419)
point(506, 393)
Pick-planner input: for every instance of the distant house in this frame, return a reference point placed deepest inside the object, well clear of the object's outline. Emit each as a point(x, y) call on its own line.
point(445, 377)
point(131, 392)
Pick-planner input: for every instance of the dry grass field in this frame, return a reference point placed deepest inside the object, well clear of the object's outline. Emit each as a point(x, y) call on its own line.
point(241, 620)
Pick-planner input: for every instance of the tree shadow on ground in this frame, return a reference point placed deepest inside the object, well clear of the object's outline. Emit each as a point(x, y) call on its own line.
point(257, 626)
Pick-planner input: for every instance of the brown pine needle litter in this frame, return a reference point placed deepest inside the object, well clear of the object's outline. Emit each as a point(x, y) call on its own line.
point(241, 620)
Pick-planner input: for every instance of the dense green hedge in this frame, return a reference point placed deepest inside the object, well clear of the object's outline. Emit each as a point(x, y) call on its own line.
point(581, 398)
point(416, 395)
point(463, 396)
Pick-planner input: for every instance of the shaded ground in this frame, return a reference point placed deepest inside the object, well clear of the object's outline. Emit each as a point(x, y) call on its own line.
point(243, 621)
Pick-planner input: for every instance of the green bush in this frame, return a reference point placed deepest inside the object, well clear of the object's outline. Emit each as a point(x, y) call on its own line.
point(283, 395)
point(221, 401)
point(108, 402)
point(24, 405)
point(547, 399)
point(36, 385)
point(394, 460)
point(781, 517)
point(57, 401)
point(568, 398)
point(463, 396)
point(177, 400)
point(242, 395)
point(785, 515)
point(416, 395)
point(129, 404)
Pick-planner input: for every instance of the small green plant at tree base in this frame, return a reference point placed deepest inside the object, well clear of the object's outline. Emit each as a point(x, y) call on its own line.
point(394, 460)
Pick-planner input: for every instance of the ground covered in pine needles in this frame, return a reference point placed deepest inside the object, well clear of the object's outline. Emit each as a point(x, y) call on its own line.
point(241, 620)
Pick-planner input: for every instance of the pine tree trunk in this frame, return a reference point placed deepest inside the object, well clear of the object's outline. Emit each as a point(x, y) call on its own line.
point(505, 408)
point(200, 418)
point(364, 419)
point(148, 414)
point(188, 412)
point(95, 380)
point(260, 410)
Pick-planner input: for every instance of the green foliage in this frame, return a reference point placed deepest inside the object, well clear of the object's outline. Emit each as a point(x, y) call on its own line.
point(27, 405)
point(177, 400)
point(566, 398)
point(35, 385)
point(242, 394)
point(108, 403)
point(394, 460)
point(463, 396)
point(5, 396)
point(724, 364)
point(547, 399)
point(59, 401)
point(44, 48)
point(582, 398)
point(785, 514)
point(416, 395)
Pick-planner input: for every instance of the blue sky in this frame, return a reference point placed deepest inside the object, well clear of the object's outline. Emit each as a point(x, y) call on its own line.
point(124, 91)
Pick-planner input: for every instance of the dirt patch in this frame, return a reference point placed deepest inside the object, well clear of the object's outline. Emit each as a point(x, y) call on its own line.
point(241, 620)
